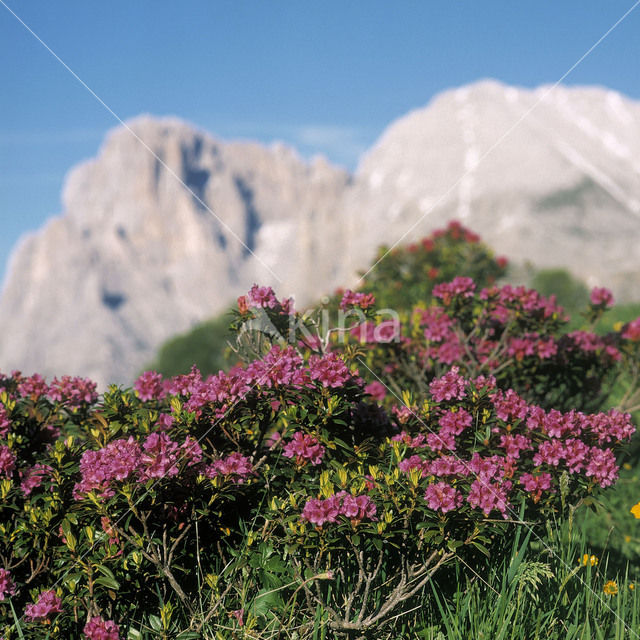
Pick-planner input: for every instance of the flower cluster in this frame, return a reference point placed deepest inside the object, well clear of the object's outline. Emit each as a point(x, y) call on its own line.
point(7, 460)
point(304, 448)
point(459, 287)
point(5, 421)
point(441, 496)
point(264, 298)
point(7, 588)
point(124, 460)
point(73, 391)
point(99, 629)
point(372, 333)
point(632, 331)
point(357, 299)
point(601, 297)
point(235, 466)
point(280, 368)
point(149, 386)
point(47, 604)
point(32, 477)
point(318, 511)
point(535, 447)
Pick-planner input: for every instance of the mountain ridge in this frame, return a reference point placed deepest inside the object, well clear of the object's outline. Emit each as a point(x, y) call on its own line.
point(137, 255)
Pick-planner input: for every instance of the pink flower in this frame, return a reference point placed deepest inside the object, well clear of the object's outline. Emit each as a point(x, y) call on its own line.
point(304, 448)
point(450, 351)
point(99, 629)
point(416, 442)
point(602, 466)
point(190, 451)
point(442, 496)
point(279, 367)
point(575, 453)
point(357, 299)
point(414, 462)
point(488, 496)
point(330, 370)
point(73, 391)
point(7, 460)
point(514, 444)
point(485, 382)
point(441, 440)
point(32, 478)
point(7, 588)
point(370, 332)
point(5, 422)
point(455, 422)
point(164, 422)
point(451, 386)
point(235, 466)
point(601, 297)
point(485, 468)
point(520, 347)
point(459, 286)
point(160, 457)
point(509, 406)
point(437, 324)
point(403, 413)
point(262, 297)
point(549, 452)
point(238, 614)
point(119, 460)
point(447, 466)
point(34, 386)
point(535, 485)
point(150, 386)
point(47, 604)
point(376, 390)
point(319, 512)
point(632, 331)
point(547, 348)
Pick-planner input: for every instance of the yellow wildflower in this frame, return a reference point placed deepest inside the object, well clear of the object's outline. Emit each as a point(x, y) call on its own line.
point(587, 559)
point(636, 510)
point(610, 588)
point(632, 586)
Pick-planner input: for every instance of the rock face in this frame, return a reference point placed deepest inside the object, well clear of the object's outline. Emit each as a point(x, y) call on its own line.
point(151, 243)
point(167, 225)
point(551, 176)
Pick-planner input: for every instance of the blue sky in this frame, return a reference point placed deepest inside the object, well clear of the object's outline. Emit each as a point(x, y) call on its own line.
point(325, 76)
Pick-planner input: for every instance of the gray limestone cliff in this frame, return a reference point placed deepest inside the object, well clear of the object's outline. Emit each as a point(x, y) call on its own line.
point(163, 229)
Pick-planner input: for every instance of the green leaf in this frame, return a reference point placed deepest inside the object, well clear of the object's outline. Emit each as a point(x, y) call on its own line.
point(155, 622)
point(265, 602)
point(107, 579)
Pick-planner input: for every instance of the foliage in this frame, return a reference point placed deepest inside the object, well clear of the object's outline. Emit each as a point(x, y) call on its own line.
point(297, 496)
point(205, 346)
point(405, 276)
point(569, 291)
point(276, 496)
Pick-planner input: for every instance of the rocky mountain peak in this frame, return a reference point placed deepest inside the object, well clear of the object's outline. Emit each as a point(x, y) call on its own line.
point(167, 225)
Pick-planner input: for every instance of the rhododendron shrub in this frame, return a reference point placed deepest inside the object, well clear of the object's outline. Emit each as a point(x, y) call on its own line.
point(405, 276)
point(511, 333)
point(277, 493)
